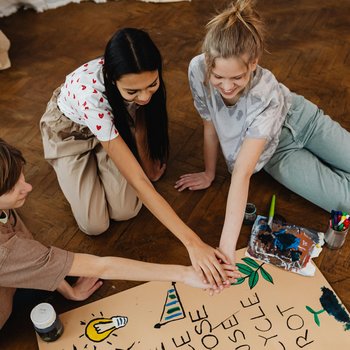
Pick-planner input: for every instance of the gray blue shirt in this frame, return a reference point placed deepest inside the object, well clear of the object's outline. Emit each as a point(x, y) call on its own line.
point(259, 112)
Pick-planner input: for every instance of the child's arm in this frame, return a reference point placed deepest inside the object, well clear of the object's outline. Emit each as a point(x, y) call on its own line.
point(199, 181)
point(116, 268)
point(238, 194)
point(203, 257)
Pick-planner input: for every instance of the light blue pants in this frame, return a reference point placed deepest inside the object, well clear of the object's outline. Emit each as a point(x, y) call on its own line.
point(313, 157)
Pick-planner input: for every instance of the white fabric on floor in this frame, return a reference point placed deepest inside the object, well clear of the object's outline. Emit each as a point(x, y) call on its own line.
point(7, 7)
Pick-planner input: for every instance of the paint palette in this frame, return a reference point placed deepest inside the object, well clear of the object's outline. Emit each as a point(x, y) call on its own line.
point(285, 245)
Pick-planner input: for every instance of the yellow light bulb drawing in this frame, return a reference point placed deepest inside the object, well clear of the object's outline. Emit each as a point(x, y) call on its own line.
point(99, 329)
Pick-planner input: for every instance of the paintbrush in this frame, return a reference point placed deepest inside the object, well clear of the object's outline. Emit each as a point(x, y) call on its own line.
point(272, 211)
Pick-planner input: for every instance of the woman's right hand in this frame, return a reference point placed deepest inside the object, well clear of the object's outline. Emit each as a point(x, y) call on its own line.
point(191, 278)
point(207, 263)
point(195, 181)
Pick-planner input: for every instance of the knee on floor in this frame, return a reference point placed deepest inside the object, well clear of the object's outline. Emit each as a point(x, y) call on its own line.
point(94, 228)
point(126, 213)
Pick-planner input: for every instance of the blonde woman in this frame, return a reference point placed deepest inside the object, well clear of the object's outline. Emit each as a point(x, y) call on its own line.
point(260, 124)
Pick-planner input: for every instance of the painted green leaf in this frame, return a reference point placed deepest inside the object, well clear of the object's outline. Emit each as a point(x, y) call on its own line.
point(266, 275)
point(317, 320)
point(253, 279)
point(240, 280)
point(244, 269)
point(251, 262)
point(308, 308)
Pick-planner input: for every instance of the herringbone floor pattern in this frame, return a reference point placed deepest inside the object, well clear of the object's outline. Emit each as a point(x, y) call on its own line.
point(309, 51)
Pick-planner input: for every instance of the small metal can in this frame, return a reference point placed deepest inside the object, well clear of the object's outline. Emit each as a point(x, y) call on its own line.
point(46, 322)
point(249, 214)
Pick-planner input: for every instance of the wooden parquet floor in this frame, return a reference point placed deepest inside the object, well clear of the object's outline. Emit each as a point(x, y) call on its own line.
point(309, 51)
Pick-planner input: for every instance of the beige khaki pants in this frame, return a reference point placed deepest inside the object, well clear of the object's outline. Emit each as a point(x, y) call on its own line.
point(92, 184)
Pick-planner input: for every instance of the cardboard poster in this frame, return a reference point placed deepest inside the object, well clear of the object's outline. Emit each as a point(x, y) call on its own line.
point(269, 308)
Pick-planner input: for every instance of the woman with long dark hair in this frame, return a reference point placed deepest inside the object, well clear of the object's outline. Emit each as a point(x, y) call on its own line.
point(105, 133)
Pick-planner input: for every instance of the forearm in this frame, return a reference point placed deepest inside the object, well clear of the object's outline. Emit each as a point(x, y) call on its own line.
point(235, 207)
point(158, 206)
point(245, 164)
point(115, 268)
point(210, 149)
point(162, 210)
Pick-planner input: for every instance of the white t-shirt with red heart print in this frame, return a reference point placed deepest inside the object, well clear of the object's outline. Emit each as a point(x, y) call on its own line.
point(82, 99)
